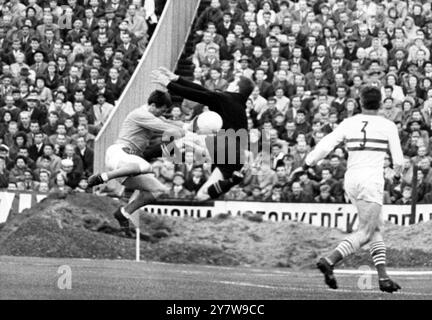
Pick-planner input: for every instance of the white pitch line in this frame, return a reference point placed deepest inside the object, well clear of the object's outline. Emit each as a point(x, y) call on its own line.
point(392, 272)
point(248, 284)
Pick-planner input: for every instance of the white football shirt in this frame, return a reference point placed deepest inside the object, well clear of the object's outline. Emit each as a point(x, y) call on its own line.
point(368, 139)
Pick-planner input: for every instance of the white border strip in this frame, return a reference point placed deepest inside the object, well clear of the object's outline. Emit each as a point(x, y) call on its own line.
point(394, 272)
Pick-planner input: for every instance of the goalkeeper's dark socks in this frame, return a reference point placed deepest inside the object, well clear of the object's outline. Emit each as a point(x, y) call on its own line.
point(219, 188)
point(236, 178)
point(223, 186)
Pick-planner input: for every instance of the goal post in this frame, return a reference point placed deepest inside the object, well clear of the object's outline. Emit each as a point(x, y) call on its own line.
point(413, 195)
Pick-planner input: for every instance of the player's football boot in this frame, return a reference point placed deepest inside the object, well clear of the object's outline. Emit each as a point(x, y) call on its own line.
point(95, 180)
point(327, 270)
point(388, 285)
point(123, 222)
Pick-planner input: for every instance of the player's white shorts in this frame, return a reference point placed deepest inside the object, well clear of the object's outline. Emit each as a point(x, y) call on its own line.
point(116, 157)
point(361, 186)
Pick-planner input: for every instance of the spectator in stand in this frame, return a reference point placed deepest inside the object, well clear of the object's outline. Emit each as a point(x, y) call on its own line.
point(276, 194)
point(255, 194)
point(48, 153)
point(325, 195)
point(309, 61)
point(59, 184)
point(70, 174)
point(82, 186)
point(17, 172)
point(101, 111)
point(4, 174)
point(406, 196)
point(297, 194)
point(236, 193)
point(195, 180)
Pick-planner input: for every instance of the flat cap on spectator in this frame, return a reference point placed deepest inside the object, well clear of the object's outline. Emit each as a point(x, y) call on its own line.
point(411, 121)
point(45, 170)
point(409, 100)
point(325, 188)
point(412, 64)
point(67, 163)
point(4, 147)
point(279, 114)
point(24, 72)
point(322, 5)
point(179, 174)
point(245, 58)
point(39, 51)
point(109, 10)
point(6, 76)
point(401, 49)
point(409, 18)
point(101, 94)
point(351, 39)
point(324, 85)
point(275, 25)
point(33, 97)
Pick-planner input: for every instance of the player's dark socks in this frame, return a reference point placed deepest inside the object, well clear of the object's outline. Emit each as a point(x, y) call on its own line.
point(334, 257)
point(95, 180)
point(327, 270)
point(219, 188)
point(388, 285)
point(382, 272)
point(123, 222)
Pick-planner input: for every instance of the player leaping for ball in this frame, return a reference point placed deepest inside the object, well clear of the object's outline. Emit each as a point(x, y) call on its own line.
point(124, 158)
point(231, 106)
point(368, 138)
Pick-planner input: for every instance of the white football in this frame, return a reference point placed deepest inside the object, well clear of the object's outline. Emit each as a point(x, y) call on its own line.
point(209, 122)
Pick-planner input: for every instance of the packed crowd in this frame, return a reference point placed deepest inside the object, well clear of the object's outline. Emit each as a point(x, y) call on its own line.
point(63, 66)
point(309, 60)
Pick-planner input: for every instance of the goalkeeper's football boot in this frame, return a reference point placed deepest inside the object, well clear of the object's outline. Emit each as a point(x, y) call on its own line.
point(388, 285)
point(327, 269)
point(237, 177)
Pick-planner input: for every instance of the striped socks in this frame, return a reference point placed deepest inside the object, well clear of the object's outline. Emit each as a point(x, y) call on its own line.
point(223, 186)
point(219, 188)
point(343, 250)
point(378, 253)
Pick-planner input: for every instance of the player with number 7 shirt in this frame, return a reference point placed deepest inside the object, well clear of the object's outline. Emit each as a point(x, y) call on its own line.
point(369, 138)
